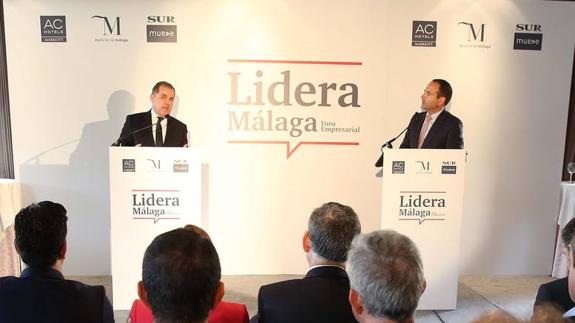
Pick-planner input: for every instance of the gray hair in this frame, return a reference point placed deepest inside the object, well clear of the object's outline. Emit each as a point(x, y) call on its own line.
point(331, 229)
point(385, 269)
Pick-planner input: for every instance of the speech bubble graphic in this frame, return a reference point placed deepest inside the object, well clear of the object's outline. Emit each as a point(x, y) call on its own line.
point(289, 144)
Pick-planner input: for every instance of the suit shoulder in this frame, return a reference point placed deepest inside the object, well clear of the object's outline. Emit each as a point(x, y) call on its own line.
point(176, 121)
point(452, 118)
point(139, 115)
point(280, 286)
point(558, 284)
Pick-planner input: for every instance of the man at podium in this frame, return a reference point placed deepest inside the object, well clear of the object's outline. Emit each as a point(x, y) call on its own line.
point(434, 128)
point(155, 127)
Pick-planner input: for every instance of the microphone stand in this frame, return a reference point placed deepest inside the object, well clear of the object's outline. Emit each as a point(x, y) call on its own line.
point(379, 162)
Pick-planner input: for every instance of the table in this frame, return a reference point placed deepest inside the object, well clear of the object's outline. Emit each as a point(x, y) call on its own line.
point(566, 213)
point(10, 204)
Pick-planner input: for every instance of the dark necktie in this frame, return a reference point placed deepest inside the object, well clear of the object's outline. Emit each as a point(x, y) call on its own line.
point(159, 137)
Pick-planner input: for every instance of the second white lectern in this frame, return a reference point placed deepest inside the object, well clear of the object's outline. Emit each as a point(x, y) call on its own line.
point(422, 198)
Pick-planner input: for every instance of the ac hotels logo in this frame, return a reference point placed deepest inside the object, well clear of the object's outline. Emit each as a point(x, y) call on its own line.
point(424, 34)
point(53, 29)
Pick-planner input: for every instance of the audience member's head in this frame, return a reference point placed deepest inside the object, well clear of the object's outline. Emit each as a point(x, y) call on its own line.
point(386, 277)
point(181, 276)
point(541, 314)
point(41, 234)
point(331, 228)
point(567, 236)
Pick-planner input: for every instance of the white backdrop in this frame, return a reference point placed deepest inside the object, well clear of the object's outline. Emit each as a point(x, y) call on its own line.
point(69, 100)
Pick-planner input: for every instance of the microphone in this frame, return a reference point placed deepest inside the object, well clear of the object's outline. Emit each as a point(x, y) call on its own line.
point(119, 141)
point(379, 162)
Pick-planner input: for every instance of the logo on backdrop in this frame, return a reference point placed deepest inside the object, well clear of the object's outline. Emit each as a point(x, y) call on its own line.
point(180, 166)
point(424, 34)
point(128, 165)
point(398, 167)
point(448, 167)
point(423, 167)
point(528, 37)
point(292, 103)
point(154, 165)
point(422, 206)
point(161, 29)
point(156, 205)
point(473, 35)
point(110, 29)
point(53, 29)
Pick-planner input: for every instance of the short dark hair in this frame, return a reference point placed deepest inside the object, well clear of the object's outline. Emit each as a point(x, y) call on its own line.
point(156, 87)
point(331, 229)
point(40, 233)
point(181, 273)
point(567, 236)
point(445, 90)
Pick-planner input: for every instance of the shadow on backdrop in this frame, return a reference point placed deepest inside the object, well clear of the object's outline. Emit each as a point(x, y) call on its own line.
point(82, 187)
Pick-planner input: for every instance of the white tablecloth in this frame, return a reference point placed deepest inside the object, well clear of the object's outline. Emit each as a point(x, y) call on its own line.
point(566, 213)
point(10, 204)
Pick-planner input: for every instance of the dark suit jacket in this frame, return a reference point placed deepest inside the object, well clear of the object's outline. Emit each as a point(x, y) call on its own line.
point(445, 133)
point(176, 133)
point(321, 296)
point(43, 295)
point(556, 293)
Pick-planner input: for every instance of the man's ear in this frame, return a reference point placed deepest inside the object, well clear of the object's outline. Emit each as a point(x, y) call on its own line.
point(306, 243)
point(441, 101)
point(424, 285)
point(219, 294)
point(143, 295)
point(356, 303)
point(63, 249)
point(17, 248)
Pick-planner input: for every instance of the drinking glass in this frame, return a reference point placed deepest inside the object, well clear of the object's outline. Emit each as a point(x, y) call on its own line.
point(571, 171)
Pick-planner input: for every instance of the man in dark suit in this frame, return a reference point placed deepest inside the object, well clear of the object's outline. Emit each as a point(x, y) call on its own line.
point(434, 128)
point(556, 293)
point(155, 127)
point(181, 276)
point(322, 295)
point(561, 292)
point(41, 294)
point(386, 277)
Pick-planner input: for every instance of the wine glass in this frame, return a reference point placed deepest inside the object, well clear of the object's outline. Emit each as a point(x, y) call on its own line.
point(571, 171)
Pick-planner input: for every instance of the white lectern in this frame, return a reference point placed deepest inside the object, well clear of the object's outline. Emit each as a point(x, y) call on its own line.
point(152, 190)
point(422, 198)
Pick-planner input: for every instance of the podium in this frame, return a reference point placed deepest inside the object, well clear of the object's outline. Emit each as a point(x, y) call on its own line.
point(422, 198)
point(152, 190)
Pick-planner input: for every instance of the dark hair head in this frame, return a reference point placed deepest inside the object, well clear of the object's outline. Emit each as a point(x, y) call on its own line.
point(445, 90)
point(331, 229)
point(181, 273)
point(156, 87)
point(568, 233)
point(41, 233)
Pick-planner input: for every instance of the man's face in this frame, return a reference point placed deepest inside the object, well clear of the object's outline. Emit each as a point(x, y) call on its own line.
point(429, 100)
point(163, 100)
